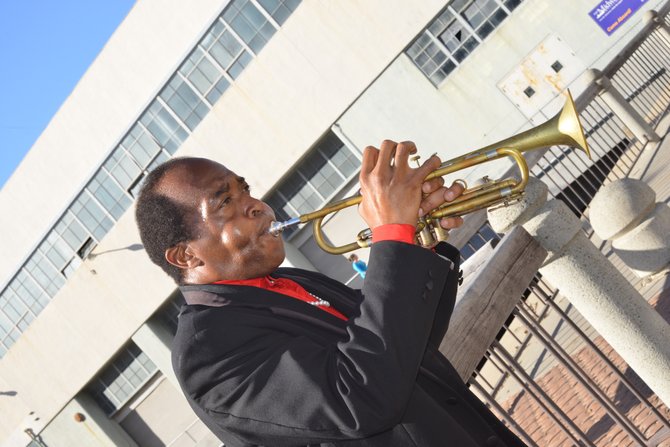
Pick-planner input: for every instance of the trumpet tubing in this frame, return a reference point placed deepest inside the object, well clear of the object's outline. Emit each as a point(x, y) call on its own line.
point(564, 129)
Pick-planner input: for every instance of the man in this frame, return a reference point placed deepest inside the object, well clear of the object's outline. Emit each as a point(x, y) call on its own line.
point(286, 357)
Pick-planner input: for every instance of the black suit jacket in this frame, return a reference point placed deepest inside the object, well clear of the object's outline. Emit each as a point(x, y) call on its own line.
point(262, 368)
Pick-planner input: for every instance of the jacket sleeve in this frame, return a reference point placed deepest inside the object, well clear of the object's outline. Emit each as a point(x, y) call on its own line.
point(276, 387)
point(448, 297)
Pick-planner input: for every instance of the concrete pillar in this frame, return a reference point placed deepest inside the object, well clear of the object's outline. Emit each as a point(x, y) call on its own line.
point(652, 16)
point(155, 340)
point(593, 285)
point(626, 212)
point(620, 107)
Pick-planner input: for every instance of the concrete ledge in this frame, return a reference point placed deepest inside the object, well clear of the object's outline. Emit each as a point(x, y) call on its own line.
point(620, 206)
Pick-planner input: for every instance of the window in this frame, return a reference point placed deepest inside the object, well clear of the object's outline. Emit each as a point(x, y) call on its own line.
point(225, 49)
point(249, 24)
point(315, 180)
point(71, 231)
point(120, 380)
point(163, 127)
point(55, 250)
point(92, 216)
point(483, 16)
point(204, 75)
point(32, 297)
point(46, 276)
point(109, 194)
point(184, 102)
point(455, 33)
point(140, 145)
point(280, 10)
point(19, 303)
point(123, 168)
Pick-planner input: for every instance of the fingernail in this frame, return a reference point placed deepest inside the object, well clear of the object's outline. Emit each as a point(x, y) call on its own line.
point(420, 212)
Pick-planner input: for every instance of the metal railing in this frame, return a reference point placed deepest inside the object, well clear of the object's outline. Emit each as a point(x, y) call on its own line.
point(549, 376)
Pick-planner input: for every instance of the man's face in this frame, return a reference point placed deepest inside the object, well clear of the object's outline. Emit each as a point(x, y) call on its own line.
point(232, 239)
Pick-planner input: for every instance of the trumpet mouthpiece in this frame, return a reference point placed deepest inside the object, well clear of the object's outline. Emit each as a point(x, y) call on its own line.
point(277, 228)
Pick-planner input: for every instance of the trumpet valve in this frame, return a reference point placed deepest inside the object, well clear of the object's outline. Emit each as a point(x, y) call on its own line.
point(440, 233)
point(425, 236)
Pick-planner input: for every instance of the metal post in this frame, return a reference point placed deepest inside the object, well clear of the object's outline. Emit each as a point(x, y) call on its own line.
point(620, 107)
point(652, 16)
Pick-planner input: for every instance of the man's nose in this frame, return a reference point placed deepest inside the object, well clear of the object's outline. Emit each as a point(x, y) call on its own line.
point(254, 207)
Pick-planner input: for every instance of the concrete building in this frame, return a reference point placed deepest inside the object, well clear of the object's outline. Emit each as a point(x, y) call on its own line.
point(284, 92)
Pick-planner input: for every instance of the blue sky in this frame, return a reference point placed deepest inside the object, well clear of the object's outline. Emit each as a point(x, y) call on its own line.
point(45, 48)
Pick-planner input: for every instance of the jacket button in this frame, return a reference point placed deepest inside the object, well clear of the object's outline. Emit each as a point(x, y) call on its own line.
point(493, 441)
point(429, 285)
point(451, 401)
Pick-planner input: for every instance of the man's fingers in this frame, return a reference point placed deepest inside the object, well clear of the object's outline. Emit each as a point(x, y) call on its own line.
point(432, 185)
point(432, 201)
point(449, 223)
point(428, 166)
point(402, 153)
point(438, 194)
point(455, 190)
point(387, 151)
point(370, 156)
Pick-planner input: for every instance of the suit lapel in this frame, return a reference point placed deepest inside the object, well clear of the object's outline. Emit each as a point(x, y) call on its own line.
point(220, 295)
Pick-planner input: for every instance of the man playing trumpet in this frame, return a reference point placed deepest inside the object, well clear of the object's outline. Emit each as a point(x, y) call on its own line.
point(287, 357)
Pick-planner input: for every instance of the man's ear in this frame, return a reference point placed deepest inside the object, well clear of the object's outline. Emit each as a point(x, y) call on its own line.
point(182, 256)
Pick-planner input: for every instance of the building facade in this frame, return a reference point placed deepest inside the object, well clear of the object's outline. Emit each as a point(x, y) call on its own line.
point(284, 92)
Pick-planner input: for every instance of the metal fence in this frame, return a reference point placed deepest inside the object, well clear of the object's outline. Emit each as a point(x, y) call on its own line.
point(548, 375)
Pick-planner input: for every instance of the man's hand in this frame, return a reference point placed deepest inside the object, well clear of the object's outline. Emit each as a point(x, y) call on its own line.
point(435, 194)
point(391, 189)
point(395, 193)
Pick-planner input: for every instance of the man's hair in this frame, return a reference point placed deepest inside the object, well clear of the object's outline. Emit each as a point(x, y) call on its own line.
point(163, 223)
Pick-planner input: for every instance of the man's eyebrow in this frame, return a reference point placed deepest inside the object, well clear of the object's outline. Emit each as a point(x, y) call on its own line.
point(225, 188)
point(221, 191)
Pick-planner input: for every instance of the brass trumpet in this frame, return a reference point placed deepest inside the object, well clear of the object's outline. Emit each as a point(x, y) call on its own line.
point(564, 128)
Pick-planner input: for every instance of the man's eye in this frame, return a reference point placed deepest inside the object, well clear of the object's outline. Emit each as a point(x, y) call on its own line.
point(225, 202)
point(247, 188)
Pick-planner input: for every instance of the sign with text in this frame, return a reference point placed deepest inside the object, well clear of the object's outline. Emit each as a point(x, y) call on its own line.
point(610, 14)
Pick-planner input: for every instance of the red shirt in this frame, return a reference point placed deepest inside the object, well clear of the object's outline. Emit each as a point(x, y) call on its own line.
point(390, 232)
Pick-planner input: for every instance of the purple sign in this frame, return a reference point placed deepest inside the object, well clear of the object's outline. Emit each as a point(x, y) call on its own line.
point(609, 14)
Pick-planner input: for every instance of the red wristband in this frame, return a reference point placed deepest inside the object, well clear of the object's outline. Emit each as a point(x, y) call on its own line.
point(394, 232)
